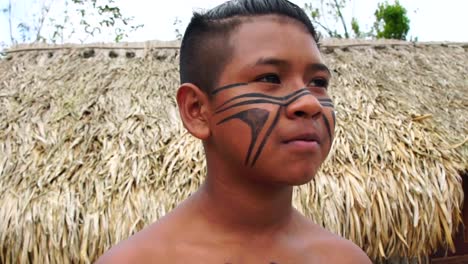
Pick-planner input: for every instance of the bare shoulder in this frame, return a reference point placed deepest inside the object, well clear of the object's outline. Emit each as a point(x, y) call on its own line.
point(143, 247)
point(341, 250)
point(159, 242)
point(335, 249)
point(153, 244)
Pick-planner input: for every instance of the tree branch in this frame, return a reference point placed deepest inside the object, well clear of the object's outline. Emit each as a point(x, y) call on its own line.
point(329, 31)
point(340, 15)
point(44, 11)
point(12, 39)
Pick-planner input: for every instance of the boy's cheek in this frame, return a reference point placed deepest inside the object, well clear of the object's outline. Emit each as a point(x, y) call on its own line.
point(231, 138)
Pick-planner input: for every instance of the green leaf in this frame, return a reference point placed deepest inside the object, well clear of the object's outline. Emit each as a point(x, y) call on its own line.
point(391, 21)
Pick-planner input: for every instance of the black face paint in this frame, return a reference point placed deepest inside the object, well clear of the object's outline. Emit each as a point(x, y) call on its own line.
point(260, 98)
point(327, 125)
point(229, 86)
point(334, 118)
point(270, 129)
point(262, 95)
point(256, 118)
point(326, 102)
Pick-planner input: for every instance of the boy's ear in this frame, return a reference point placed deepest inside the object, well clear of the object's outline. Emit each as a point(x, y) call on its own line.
point(194, 110)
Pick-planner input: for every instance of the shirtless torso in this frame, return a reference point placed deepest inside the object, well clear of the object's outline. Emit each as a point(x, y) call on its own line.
point(184, 236)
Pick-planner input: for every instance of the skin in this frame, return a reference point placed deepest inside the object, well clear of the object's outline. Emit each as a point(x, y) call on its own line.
point(269, 126)
point(257, 117)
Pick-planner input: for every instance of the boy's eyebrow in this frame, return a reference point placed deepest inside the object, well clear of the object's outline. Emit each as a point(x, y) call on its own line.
point(317, 67)
point(271, 61)
point(313, 67)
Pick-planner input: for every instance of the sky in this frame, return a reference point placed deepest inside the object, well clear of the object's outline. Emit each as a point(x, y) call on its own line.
point(430, 20)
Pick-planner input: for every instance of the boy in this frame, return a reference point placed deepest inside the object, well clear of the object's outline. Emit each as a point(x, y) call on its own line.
point(254, 90)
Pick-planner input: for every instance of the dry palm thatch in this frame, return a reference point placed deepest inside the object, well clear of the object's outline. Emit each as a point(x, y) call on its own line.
point(92, 149)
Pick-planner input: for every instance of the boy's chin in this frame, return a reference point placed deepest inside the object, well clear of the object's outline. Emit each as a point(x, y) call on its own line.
point(290, 178)
point(300, 179)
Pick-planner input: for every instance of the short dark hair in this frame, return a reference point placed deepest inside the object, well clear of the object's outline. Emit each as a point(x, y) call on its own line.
point(205, 48)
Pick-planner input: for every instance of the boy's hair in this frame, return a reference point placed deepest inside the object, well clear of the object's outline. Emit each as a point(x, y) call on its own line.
point(205, 48)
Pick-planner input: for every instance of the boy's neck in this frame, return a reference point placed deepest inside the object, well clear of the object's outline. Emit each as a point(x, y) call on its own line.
point(249, 209)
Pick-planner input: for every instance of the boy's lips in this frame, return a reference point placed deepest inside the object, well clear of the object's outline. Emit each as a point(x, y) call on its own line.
point(303, 141)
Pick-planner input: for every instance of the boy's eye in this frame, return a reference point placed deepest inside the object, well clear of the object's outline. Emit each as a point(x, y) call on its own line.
point(322, 83)
point(270, 78)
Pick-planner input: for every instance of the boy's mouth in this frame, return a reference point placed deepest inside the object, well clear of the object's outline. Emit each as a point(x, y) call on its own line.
point(303, 141)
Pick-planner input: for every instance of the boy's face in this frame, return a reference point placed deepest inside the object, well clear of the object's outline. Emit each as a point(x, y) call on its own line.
point(271, 116)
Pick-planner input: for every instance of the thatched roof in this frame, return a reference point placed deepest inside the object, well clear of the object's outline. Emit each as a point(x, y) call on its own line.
point(92, 149)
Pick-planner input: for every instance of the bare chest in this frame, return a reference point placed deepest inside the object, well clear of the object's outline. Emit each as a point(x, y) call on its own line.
point(243, 255)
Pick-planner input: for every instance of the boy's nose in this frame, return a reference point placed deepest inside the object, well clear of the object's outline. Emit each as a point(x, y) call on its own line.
point(306, 106)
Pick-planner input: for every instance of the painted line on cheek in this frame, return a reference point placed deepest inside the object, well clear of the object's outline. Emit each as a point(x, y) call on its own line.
point(334, 118)
point(327, 124)
point(254, 101)
point(263, 96)
point(266, 100)
point(270, 129)
point(229, 86)
point(304, 93)
point(327, 105)
point(256, 119)
point(326, 102)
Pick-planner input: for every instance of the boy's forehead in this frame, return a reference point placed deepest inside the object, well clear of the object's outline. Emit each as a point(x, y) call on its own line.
point(267, 36)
